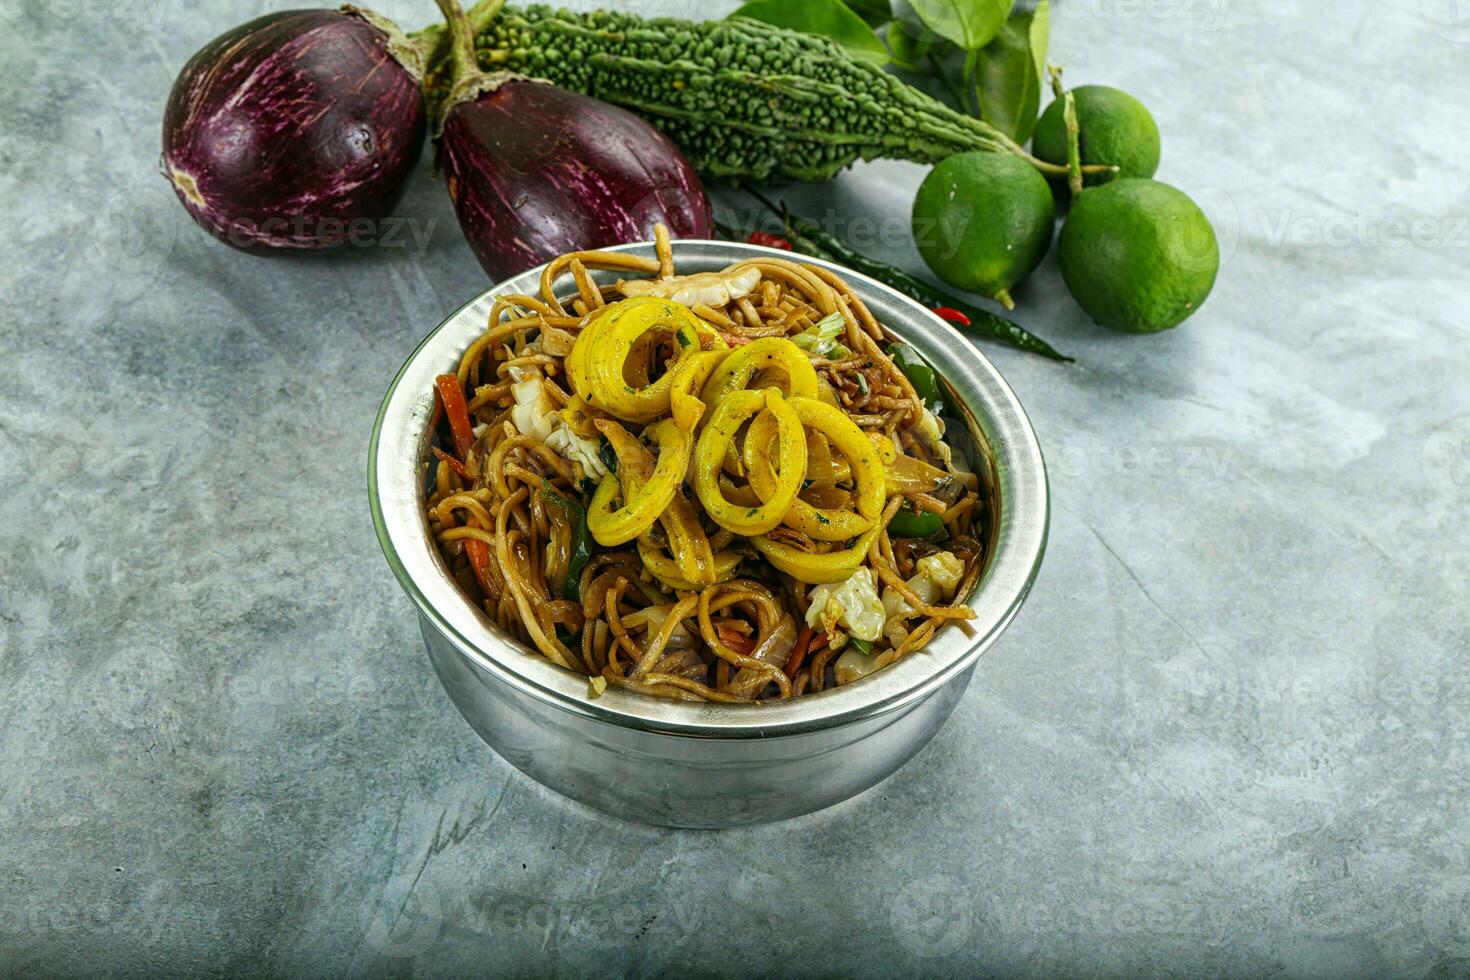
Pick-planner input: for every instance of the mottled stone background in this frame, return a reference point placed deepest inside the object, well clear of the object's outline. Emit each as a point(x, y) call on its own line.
point(1227, 734)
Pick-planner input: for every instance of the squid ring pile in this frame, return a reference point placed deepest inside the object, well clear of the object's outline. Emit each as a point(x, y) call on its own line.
point(731, 486)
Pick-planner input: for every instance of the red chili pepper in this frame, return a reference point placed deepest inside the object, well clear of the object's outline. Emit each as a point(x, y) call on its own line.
point(952, 315)
point(452, 395)
point(768, 240)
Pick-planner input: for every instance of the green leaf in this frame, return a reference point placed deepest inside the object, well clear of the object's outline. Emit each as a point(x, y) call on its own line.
point(830, 18)
point(971, 24)
point(1012, 73)
point(875, 13)
point(908, 49)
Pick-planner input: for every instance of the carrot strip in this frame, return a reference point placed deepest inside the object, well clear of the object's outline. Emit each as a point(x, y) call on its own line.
point(735, 640)
point(806, 643)
point(798, 652)
point(454, 464)
point(478, 553)
point(452, 395)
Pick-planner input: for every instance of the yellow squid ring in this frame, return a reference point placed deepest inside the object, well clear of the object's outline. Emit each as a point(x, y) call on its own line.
point(866, 462)
point(688, 376)
point(813, 569)
point(596, 363)
point(817, 523)
point(667, 570)
point(642, 506)
point(736, 371)
point(730, 413)
point(696, 561)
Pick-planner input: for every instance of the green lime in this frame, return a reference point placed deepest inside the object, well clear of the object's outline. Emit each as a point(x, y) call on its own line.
point(983, 221)
point(1138, 255)
point(1113, 128)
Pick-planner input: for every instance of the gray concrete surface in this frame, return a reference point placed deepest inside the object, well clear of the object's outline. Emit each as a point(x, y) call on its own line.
point(1227, 734)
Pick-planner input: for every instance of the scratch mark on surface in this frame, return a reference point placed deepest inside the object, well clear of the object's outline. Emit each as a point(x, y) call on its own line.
point(1244, 735)
point(1195, 400)
point(1149, 595)
point(429, 852)
point(495, 807)
point(441, 841)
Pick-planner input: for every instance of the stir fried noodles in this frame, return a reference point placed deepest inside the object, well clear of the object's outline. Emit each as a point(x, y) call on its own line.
point(726, 486)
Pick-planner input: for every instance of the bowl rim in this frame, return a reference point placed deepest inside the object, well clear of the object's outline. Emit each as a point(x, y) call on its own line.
point(396, 473)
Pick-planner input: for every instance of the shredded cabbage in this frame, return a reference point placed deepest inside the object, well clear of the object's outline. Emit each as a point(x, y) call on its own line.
point(574, 447)
point(930, 428)
point(853, 665)
point(821, 337)
point(852, 603)
point(654, 617)
point(713, 289)
point(936, 578)
point(534, 416)
point(944, 570)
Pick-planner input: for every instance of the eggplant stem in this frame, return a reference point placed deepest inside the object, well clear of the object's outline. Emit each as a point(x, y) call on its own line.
point(468, 81)
point(482, 13)
point(409, 50)
point(461, 41)
point(433, 39)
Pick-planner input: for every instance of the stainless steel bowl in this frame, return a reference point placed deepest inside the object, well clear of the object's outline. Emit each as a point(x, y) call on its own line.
point(705, 765)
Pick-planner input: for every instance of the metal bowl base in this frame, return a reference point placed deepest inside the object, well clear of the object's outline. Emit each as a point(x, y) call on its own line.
point(678, 781)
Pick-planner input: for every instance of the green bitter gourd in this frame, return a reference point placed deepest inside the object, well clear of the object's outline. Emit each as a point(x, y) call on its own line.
point(741, 98)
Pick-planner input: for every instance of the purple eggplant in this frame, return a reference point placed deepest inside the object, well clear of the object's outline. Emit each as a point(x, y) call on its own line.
point(295, 130)
point(537, 171)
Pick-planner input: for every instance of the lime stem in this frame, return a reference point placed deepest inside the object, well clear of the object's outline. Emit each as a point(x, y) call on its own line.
point(1074, 131)
point(1060, 170)
point(1074, 150)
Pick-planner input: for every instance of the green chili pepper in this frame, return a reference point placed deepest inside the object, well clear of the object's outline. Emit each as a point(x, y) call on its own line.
point(920, 375)
point(606, 454)
point(908, 524)
point(934, 393)
point(571, 587)
point(806, 237)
